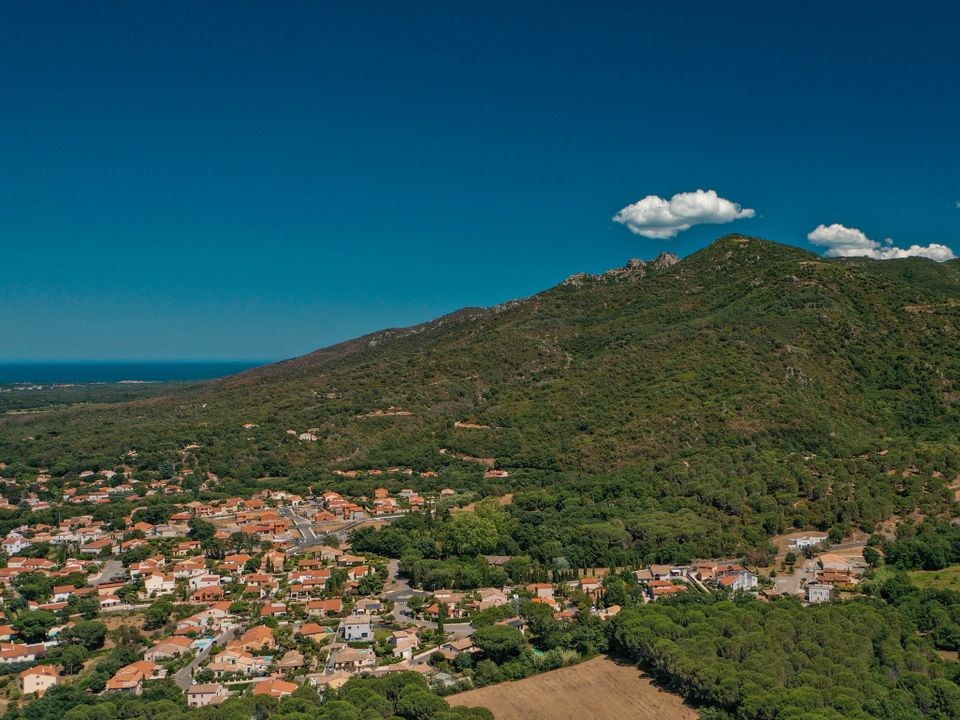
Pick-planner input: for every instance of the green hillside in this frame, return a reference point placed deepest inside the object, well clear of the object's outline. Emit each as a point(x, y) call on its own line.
point(750, 384)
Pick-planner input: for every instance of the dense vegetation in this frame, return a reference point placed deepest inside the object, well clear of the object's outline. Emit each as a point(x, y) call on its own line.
point(776, 661)
point(927, 546)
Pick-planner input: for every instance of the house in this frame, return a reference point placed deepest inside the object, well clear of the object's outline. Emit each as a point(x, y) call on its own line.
point(188, 547)
point(201, 581)
point(273, 609)
point(541, 590)
point(274, 688)
point(492, 597)
point(324, 608)
point(324, 682)
point(369, 605)
point(661, 588)
point(15, 545)
point(835, 577)
point(256, 638)
point(643, 575)
point(208, 594)
point(130, 678)
point(167, 649)
point(97, 547)
point(810, 541)
point(159, 584)
point(591, 586)
point(357, 627)
point(607, 613)
point(206, 694)
point(329, 553)
point(313, 631)
point(62, 593)
point(234, 660)
point(291, 661)
point(404, 644)
point(110, 602)
point(737, 580)
point(350, 660)
point(664, 572)
point(37, 680)
point(819, 594)
point(454, 647)
point(17, 652)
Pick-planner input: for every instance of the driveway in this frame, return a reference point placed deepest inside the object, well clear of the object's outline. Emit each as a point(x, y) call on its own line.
point(802, 574)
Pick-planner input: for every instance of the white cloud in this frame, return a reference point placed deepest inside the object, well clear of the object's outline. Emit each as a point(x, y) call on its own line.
point(657, 217)
point(842, 241)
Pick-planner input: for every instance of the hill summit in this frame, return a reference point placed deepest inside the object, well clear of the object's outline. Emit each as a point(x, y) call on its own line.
point(744, 343)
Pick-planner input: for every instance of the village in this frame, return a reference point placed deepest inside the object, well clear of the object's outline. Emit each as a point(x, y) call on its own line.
point(262, 595)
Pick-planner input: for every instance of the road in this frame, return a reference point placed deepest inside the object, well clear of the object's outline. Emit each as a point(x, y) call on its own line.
point(309, 537)
point(399, 592)
point(184, 676)
point(111, 569)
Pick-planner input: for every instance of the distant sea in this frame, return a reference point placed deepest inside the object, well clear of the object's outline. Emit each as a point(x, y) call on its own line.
point(111, 372)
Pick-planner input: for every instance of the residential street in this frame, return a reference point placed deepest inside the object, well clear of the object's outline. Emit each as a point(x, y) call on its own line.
point(112, 568)
point(309, 537)
point(398, 591)
point(184, 676)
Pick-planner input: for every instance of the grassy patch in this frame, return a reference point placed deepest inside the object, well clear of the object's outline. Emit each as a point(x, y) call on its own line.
point(946, 579)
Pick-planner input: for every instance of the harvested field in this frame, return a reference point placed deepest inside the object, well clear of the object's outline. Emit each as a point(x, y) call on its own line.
point(599, 689)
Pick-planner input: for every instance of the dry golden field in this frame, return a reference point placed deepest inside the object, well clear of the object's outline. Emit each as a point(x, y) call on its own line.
point(599, 689)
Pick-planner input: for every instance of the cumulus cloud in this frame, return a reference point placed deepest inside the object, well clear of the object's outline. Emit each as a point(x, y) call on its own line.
point(842, 241)
point(657, 217)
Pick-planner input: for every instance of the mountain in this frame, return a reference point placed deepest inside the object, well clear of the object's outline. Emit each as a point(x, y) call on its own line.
point(744, 342)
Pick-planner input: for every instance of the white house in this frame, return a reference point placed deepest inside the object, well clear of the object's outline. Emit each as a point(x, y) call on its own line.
point(357, 628)
point(739, 580)
point(809, 541)
point(159, 584)
point(819, 593)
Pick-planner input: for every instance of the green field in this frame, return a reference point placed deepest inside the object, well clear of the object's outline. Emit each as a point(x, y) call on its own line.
point(946, 579)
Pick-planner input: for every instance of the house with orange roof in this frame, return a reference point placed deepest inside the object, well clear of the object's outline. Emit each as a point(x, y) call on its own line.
point(38, 679)
point(255, 638)
point(274, 687)
point(130, 678)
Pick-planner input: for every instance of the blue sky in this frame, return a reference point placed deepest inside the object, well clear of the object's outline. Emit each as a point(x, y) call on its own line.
point(255, 180)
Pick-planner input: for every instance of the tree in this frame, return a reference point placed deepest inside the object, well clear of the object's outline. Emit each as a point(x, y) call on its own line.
point(34, 625)
point(201, 529)
point(157, 614)
point(72, 659)
point(418, 704)
point(469, 534)
point(499, 642)
point(90, 634)
point(87, 605)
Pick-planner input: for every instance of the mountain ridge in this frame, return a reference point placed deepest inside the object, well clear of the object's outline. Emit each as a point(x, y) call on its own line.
point(745, 340)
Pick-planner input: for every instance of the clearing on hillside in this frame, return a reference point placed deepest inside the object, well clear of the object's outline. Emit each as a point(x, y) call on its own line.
point(599, 689)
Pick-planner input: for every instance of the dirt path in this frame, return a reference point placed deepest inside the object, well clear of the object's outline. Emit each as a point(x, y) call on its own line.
point(599, 689)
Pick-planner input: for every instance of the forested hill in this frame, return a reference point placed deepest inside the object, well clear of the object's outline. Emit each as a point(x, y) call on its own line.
point(746, 344)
